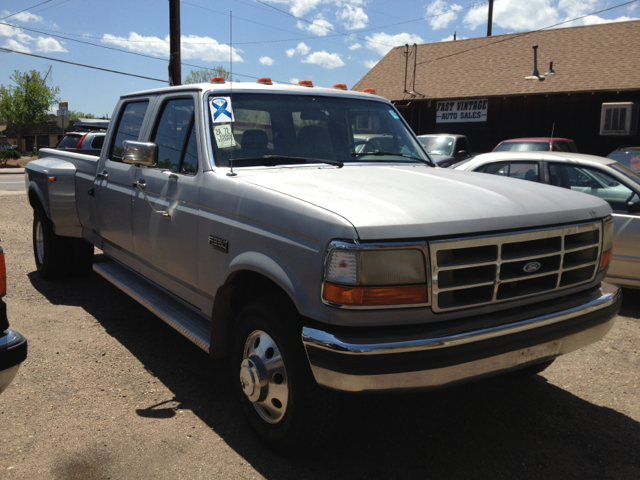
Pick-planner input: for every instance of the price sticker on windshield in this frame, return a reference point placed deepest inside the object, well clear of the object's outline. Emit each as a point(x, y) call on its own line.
point(224, 136)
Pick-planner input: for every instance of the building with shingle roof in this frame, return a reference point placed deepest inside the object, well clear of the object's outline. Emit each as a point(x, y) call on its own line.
point(594, 65)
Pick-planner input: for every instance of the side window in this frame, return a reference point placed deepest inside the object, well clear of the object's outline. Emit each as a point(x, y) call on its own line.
point(128, 128)
point(172, 132)
point(97, 141)
point(594, 182)
point(190, 161)
point(522, 170)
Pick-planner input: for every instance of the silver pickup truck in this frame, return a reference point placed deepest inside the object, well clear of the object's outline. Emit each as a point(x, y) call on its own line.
point(250, 218)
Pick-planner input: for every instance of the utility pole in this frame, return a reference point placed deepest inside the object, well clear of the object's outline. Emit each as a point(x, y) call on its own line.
point(175, 63)
point(490, 21)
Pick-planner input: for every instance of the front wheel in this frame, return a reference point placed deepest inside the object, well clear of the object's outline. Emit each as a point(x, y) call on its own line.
point(283, 404)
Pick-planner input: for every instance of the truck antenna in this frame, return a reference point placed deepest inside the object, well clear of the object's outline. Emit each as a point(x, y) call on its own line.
point(553, 126)
point(231, 173)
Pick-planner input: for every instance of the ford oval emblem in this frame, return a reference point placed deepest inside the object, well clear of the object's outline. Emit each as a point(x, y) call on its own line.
point(532, 267)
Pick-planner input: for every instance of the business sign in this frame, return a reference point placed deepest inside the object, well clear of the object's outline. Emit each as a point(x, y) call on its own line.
point(64, 108)
point(462, 111)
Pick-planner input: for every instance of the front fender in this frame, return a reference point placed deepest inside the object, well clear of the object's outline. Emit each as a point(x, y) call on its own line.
point(260, 263)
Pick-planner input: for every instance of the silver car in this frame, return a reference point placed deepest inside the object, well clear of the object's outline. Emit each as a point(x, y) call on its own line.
point(598, 176)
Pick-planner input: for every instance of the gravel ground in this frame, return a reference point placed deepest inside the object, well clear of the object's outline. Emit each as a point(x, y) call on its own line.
point(109, 391)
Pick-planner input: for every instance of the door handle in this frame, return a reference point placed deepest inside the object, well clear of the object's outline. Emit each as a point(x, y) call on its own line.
point(140, 183)
point(103, 174)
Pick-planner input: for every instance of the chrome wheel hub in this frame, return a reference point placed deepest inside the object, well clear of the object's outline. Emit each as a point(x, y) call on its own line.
point(263, 377)
point(40, 243)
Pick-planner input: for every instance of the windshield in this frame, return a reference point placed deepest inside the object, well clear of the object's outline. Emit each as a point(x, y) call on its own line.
point(522, 147)
point(438, 145)
point(629, 159)
point(266, 129)
point(630, 174)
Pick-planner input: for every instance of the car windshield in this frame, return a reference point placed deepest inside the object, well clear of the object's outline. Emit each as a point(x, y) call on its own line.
point(438, 145)
point(629, 159)
point(630, 174)
point(255, 129)
point(522, 147)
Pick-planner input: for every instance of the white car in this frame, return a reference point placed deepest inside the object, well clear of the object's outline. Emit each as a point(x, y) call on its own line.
point(598, 176)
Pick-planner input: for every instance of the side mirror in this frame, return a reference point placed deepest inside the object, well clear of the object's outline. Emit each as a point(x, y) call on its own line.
point(462, 152)
point(633, 206)
point(140, 153)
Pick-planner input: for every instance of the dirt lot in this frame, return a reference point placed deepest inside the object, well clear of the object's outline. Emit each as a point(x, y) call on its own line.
point(110, 391)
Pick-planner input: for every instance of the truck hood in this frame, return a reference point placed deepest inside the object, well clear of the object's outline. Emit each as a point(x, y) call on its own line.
point(394, 202)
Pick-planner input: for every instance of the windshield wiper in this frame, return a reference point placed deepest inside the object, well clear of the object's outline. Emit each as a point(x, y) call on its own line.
point(380, 153)
point(273, 160)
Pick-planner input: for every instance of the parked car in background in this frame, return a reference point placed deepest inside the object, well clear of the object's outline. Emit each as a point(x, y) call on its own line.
point(446, 149)
point(83, 142)
point(537, 144)
point(4, 145)
point(602, 177)
point(13, 346)
point(627, 156)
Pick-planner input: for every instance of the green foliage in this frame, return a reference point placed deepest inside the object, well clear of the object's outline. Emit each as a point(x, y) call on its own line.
point(205, 74)
point(73, 114)
point(7, 154)
point(27, 102)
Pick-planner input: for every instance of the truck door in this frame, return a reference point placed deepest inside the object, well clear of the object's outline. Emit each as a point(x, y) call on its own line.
point(166, 243)
point(114, 185)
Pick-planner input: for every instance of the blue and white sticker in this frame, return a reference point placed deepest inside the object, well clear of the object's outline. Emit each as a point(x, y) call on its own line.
point(394, 114)
point(221, 111)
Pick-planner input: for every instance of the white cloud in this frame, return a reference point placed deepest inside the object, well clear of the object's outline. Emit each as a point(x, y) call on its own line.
point(294, 80)
point(514, 15)
point(268, 61)
point(320, 27)
point(370, 63)
point(324, 59)
point(192, 47)
point(48, 45)
point(302, 49)
point(18, 47)
point(439, 19)
point(22, 17)
point(353, 17)
point(383, 42)
point(7, 31)
point(355, 46)
point(299, 7)
point(450, 38)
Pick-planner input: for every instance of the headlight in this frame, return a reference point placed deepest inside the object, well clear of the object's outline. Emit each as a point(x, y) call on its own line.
point(607, 242)
point(359, 276)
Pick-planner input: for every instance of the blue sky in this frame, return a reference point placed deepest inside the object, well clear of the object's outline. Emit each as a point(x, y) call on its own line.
point(326, 41)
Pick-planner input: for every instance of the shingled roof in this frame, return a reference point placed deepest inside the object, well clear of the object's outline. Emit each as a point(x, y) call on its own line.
point(593, 58)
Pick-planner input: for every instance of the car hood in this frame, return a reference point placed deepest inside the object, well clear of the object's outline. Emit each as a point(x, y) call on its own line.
point(393, 202)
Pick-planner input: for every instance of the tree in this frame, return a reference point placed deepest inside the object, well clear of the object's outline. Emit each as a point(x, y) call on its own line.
point(204, 74)
point(73, 114)
point(26, 103)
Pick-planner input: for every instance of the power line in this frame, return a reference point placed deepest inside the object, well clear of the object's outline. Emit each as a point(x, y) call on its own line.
point(515, 36)
point(82, 65)
point(22, 11)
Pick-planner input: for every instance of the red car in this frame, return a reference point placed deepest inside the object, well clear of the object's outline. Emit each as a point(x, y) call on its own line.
point(537, 144)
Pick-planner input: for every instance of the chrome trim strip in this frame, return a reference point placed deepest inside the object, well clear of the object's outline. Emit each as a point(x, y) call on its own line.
point(610, 294)
point(327, 341)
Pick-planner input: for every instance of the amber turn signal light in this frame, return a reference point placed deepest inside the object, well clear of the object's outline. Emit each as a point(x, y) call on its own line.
point(364, 296)
point(340, 86)
point(305, 83)
point(369, 90)
point(217, 79)
point(265, 81)
point(606, 258)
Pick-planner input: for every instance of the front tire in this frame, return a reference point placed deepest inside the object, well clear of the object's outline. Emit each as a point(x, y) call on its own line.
point(282, 403)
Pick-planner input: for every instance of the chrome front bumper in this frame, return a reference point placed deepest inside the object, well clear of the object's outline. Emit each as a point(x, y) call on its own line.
point(413, 361)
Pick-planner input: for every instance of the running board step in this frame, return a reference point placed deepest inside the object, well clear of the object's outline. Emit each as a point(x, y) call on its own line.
point(185, 319)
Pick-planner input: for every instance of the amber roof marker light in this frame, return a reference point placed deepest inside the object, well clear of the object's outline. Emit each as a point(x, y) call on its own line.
point(265, 81)
point(340, 86)
point(369, 90)
point(305, 83)
point(217, 79)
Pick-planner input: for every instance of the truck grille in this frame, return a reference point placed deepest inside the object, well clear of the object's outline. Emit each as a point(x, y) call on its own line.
point(483, 270)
